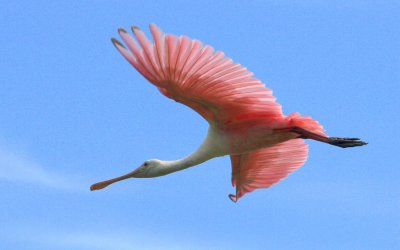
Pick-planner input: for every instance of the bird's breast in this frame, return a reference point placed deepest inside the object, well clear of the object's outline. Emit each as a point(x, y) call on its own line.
point(249, 139)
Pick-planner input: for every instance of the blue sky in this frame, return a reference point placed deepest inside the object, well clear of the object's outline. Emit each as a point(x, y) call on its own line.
point(74, 112)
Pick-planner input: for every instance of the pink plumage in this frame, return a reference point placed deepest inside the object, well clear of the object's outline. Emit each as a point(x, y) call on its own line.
point(245, 121)
point(264, 167)
point(193, 74)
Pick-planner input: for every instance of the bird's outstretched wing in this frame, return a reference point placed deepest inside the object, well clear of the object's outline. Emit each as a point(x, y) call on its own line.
point(264, 167)
point(193, 74)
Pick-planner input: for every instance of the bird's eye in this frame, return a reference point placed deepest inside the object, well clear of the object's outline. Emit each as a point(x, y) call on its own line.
point(145, 164)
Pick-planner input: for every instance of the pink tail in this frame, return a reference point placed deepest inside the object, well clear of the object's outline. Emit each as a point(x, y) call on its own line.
point(305, 122)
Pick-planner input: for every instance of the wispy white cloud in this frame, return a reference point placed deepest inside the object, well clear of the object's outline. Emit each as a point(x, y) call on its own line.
point(17, 167)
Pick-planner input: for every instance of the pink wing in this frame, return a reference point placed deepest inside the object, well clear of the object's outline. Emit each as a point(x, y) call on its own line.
point(264, 167)
point(193, 74)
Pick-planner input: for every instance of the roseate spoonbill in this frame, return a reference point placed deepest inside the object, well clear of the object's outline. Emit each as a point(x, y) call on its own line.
point(244, 120)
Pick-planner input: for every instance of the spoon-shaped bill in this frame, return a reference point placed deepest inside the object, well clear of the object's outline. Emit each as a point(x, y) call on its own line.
point(103, 184)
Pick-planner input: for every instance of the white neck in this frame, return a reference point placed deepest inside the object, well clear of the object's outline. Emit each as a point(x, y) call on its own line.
point(211, 147)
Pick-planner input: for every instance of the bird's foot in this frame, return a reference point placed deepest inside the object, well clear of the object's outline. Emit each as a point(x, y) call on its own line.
point(346, 142)
point(232, 197)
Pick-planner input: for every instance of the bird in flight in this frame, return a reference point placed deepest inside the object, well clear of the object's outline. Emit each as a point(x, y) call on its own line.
point(244, 120)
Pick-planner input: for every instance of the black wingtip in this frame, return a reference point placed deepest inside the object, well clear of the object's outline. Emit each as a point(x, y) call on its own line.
point(117, 43)
point(134, 27)
point(121, 30)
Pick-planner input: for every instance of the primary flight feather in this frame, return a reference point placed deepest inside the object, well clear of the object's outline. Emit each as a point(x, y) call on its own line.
point(244, 120)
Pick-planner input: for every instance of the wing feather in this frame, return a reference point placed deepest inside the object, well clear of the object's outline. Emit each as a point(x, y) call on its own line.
point(194, 74)
point(264, 167)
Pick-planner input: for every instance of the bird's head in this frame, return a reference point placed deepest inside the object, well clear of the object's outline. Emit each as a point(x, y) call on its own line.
point(150, 168)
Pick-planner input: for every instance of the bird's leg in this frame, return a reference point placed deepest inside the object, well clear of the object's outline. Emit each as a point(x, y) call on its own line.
point(336, 141)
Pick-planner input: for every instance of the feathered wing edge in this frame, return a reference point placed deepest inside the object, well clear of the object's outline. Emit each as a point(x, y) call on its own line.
point(197, 76)
point(264, 167)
